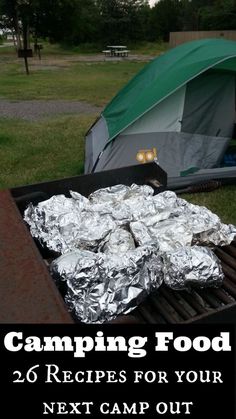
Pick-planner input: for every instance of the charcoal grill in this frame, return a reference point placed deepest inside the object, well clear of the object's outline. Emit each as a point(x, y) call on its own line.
point(29, 294)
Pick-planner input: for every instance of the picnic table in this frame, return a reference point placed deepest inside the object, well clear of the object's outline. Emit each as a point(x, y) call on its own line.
point(116, 51)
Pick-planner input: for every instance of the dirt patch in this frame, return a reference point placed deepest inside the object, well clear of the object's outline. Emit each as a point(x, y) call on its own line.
point(34, 110)
point(66, 61)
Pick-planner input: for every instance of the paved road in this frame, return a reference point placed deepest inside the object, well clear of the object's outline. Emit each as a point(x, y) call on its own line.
point(33, 110)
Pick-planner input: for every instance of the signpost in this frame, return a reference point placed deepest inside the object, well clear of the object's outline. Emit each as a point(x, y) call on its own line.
point(37, 49)
point(25, 52)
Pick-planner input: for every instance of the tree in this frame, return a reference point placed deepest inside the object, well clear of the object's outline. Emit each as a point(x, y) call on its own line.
point(18, 15)
point(9, 17)
point(165, 18)
point(122, 20)
point(47, 18)
point(109, 21)
point(222, 15)
point(86, 23)
point(54, 19)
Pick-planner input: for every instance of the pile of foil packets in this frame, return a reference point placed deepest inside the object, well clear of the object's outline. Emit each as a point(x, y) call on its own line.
point(122, 242)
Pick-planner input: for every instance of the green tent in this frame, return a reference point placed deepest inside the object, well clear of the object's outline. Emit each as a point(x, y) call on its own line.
point(180, 108)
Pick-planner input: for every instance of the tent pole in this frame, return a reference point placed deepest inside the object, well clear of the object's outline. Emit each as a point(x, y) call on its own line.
point(98, 158)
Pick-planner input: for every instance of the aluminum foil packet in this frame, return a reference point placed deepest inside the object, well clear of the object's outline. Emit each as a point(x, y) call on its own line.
point(179, 224)
point(46, 219)
point(169, 234)
point(117, 242)
point(194, 266)
point(221, 236)
point(206, 227)
point(123, 203)
point(117, 193)
point(63, 224)
point(101, 286)
point(134, 208)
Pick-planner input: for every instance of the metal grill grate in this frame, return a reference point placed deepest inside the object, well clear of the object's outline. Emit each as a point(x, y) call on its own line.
point(169, 307)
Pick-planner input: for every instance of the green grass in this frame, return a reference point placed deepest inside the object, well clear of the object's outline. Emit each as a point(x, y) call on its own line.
point(46, 150)
point(95, 83)
point(149, 48)
point(60, 76)
point(146, 48)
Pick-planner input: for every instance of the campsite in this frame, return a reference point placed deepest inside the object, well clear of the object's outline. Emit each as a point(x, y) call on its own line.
point(44, 147)
point(118, 207)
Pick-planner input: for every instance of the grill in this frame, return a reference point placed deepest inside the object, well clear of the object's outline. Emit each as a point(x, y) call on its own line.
point(29, 294)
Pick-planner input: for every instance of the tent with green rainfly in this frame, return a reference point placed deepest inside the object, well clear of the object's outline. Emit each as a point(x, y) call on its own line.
point(180, 108)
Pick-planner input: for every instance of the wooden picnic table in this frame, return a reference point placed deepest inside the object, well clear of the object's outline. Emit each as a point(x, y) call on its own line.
point(114, 47)
point(116, 50)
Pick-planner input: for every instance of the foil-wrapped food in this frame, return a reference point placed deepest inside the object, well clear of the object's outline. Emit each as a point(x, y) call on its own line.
point(192, 266)
point(118, 244)
point(169, 234)
point(118, 193)
point(101, 286)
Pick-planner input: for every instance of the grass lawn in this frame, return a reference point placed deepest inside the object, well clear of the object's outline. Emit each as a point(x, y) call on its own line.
point(95, 83)
point(32, 152)
point(54, 147)
point(149, 48)
point(144, 48)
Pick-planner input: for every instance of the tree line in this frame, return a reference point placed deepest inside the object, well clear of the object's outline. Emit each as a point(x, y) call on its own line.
point(107, 21)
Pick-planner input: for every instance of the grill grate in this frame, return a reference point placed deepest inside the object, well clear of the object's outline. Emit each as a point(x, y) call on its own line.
point(168, 307)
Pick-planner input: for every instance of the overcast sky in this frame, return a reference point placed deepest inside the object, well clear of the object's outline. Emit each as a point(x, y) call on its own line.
point(152, 2)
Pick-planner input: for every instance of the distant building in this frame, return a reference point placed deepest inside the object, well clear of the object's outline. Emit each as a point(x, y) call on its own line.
point(177, 38)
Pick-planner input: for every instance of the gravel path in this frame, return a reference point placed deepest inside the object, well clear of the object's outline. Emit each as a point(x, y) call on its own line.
point(33, 110)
